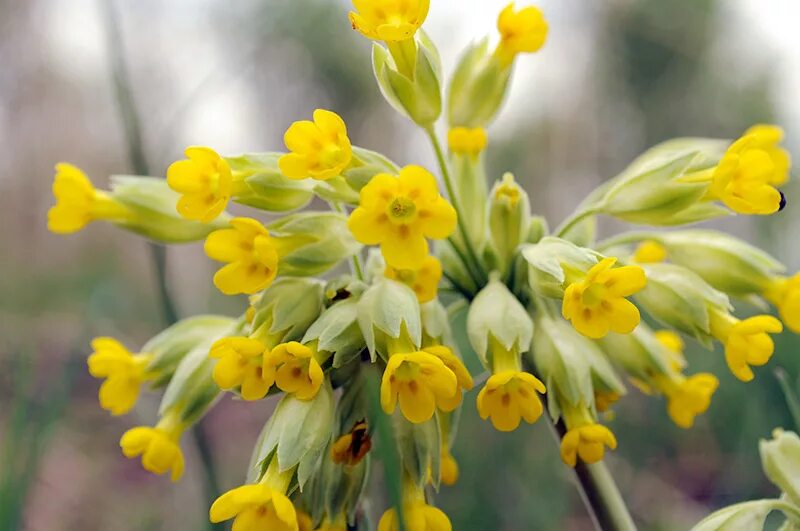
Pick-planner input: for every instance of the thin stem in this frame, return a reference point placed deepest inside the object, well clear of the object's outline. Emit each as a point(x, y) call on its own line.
point(458, 287)
point(472, 257)
point(129, 115)
point(573, 220)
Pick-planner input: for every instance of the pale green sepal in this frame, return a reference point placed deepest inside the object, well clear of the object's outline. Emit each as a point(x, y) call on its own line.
point(419, 448)
point(551, 259)
point(387, 311)
point(265, 187)
point(780, 459)
point(337, 331)
point(496, 313)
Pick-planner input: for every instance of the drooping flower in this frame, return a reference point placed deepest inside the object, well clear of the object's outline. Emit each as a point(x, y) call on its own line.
point(318, 149)
point(449, 467)
point(158, 446)
point(294, 369)
point(241, 365)
point(421, 381)
point(649, 251)
point(255, 508)
point(250, 254)
point(399, 213)
point(520, 31)
point(588, 442)
point(687, 397)
point(124, 373)
point(78, 203)
point(596, 304)
point(467, 140)
point(424, 281)
point(747, 342)
point(510, 396)
point(205, 182)
point(784, 293)
point(389, 20)
point(463, 377)
point(417, 516)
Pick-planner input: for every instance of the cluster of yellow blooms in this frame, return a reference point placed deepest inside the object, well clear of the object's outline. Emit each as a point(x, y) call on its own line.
point(318, 341)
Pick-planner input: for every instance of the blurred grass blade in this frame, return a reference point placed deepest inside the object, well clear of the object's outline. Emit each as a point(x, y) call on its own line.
point(790, 395)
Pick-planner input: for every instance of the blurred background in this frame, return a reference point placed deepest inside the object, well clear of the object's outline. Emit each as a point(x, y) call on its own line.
point(614, 78)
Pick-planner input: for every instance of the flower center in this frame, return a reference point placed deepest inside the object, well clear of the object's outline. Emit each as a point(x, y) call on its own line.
point(331, 155)
point(594, 295)
point(402, 209)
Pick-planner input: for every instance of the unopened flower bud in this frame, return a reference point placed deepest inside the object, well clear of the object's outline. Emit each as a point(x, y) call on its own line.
point(261, 184)
point(495, 314)
point(389, 318)
point(780, 458)
point(509, 217)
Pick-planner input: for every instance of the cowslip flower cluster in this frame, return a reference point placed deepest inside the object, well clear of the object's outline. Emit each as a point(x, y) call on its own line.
point(553, 316)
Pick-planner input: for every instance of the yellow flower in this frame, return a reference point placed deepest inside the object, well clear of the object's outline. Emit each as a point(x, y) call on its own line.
point(304, 521)
point(204, 181)
point(650, 251)
point(674, 344)
point(466, 140)
point(294, 369)
point(78, 203)
point(255, 508)
point(743, 179)
point(784, 293)
point(603, 400)
point(424, 281)
point(158, 447)
point(687, 397)
point(746, 342)
point(399, 213)
point(418, 516)
point(124, 373)
point(520, 31)
point(319, 149)
point(421, 381)
point(250, 253)
point(767, 138)
point(463, 377)
point(389, 20)
point(241, 365)
point(588, 442)
point(597, 304)
point(509, 396)
point(449, 467)
point(350, 448)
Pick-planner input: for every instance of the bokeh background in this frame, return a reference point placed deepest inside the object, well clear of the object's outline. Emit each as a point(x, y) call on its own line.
point(614, 77)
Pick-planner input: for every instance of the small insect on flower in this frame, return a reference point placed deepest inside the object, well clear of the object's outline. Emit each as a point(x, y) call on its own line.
point(352, 447)
point(318, 149)
point(421, 381)
point(124, 373)
point(399, 213)
point(596, 304)
point(746, 342)
point(424, 281)
point(78, 203)
point(509, 397)
point(294, 369)
point(254, 508)
point(241, 365)
point(250, 254)
point(204, 181)
point(388, 20)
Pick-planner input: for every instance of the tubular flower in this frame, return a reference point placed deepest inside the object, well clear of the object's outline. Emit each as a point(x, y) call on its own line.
point(463, 377)
point(352, 447)
point(784, 293)
point(241, 365)
point(743, 179)
point(250, 253)
point(389, 20)
point(649, 252)
point(424, 281)
point(687, 397)
point(587, 442)
point(204, 181)
point(449, 467)
point(767, 138)
point(124, 373)
point(255, 507)
point(421, 381)
point(597, 304)
point(467, 141)
point(158, 447)
point(418, 516)
point(319, 149)
point(294, 369)
point(78, 203)
point(746, 342)
point(520, 31)
point(399, 213)
point(509, 396)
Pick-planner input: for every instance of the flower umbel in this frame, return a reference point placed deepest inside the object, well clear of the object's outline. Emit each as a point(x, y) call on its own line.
point(204, 181)
point(421, 382)
point(389, 20)
point(424, 281)
point(250, 253)
point(596, 304)
point(241, 365)
point(746, 342)
point(318, 149)
point(399, 213)
point(510, 396)
point(78, 203)
point(294, 369)
point(158, 447)
point(124, 373)
point(520, 31)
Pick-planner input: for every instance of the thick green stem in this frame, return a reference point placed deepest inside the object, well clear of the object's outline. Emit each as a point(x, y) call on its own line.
point(133, 135)
point(471, 261)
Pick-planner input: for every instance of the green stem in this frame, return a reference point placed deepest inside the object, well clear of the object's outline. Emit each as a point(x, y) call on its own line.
point(133, 134)
point(471, 260)
point(573, 220)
